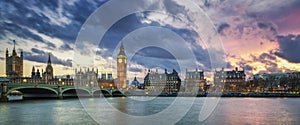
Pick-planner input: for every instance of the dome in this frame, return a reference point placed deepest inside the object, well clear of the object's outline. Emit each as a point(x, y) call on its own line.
point(135, 82)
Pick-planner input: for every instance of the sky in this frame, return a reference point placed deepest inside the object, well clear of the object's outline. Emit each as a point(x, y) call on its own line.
point(261, 36)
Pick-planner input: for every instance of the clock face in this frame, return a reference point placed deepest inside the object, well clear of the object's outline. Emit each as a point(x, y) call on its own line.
point(120, 60)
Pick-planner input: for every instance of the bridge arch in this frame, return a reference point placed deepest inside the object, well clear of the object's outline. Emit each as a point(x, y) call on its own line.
point(117, 93)
point(103, 92)
point(33, 87)
point(75, 89)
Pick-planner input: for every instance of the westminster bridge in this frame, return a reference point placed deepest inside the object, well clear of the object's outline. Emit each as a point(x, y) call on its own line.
point(56, 90)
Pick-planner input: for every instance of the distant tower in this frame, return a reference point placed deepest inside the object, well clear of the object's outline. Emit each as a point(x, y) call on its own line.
point(33, 73)
point(121, 68)
point(14, 63)
point(48, 74)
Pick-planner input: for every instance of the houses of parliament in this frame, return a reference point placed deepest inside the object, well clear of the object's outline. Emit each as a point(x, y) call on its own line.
point(14, 68)
point(14, 72)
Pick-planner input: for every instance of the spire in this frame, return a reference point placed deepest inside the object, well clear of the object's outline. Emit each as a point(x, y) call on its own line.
point(14, 50)
point(121, 50)
point(6, 52)
point(122, 47)
point(33, 70)
point(49, 60)
point(21, 53)
point(14, 41)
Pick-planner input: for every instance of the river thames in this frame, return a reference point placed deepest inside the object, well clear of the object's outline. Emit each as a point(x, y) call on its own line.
point(229, 111)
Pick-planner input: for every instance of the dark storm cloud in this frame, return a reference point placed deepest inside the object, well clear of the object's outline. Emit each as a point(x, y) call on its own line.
point(264, 56)
point(267, 26)
point(221, 27)
point(40, 56)
point(247, 67)
point(132, 69)
point(155, 52)
point(66, 47)
point(152, 57)
point(22, 33)
point(132, 22)
point(21, 15)
point(289, 48)
point(16, 16)
point(37, 51)
point(268, 60)
point(151, 63)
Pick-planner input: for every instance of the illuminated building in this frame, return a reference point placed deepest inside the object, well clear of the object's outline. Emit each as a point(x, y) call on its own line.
point(48, 74)
point(121, 68)
point(232, 81)
point(88, 78)
point(166, 82)
point(14, 63)
point(194, 81)
point(106, 81)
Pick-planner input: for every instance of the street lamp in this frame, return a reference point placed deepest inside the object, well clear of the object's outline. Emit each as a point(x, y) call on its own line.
point(59, 81)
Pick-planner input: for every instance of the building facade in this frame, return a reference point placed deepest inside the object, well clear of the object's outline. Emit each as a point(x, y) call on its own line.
point(106, 81)
point(121, 69)
point(162, 83)
point(88, 78)
point(14, 63)
point(231, 81)
point(194, 81)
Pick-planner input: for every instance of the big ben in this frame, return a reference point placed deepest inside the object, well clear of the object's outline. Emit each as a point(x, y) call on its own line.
point(121, 68)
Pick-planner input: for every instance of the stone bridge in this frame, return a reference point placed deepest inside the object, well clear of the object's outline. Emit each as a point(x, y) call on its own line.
point(60, 91)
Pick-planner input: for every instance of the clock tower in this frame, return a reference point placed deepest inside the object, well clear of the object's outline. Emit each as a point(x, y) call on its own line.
point(121, 68)
point(48, 74)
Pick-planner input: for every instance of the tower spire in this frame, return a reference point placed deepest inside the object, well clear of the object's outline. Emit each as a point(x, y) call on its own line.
point(121, 49)
point(14, 44)
point(14, 49)
point(49, 60)
point(6, 52)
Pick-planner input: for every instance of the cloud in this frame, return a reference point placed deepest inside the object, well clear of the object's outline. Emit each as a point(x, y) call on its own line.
point(132, 69)
point(289, 48)
point(265, 56)
point(247, 67)
point(222, 27)
point(66, 47)
point(37, 55)
point(55, 19)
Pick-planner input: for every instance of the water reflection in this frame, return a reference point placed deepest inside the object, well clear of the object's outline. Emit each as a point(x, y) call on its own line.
point(71, 111)
point(254, 111)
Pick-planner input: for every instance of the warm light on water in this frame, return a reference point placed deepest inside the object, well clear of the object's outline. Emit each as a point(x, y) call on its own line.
point(229, 111)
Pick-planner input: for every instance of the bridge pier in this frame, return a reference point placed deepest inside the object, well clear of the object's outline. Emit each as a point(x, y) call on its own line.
point(4, 93)
point(60, 96)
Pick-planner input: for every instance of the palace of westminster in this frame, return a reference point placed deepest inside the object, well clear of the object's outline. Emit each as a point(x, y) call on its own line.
point(232, 81)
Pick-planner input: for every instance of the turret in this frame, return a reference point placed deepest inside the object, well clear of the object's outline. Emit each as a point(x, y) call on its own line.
point(14, 53)
point(21, 54)
point(7, 53)
point(33, 72)
point(38, 74)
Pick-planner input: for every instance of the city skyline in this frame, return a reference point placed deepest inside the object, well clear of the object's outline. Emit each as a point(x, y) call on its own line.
point(256, 37)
